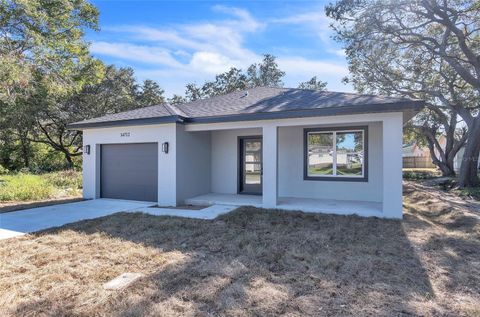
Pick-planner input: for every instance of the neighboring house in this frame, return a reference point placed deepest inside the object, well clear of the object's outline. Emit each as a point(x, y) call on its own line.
point(267, 147)
point(457, 161)
point(414, 154)
point(413, 150)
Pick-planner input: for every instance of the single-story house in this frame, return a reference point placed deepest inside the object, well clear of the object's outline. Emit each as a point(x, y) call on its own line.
point(269, 147)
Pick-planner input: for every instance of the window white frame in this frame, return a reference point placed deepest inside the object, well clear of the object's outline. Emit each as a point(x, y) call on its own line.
point(333, 132)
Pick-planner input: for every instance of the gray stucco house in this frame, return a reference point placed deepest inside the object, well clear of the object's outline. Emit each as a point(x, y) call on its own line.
point(268, 147)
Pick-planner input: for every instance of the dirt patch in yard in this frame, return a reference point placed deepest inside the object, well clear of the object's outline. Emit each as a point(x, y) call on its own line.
point(9, 206)
point(253, 262)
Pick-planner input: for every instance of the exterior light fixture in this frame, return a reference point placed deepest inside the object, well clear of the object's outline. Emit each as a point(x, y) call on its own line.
point(87, 149)
point(165, 147)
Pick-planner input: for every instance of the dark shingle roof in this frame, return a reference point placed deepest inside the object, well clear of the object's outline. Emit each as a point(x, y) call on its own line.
point(259, 103)
point(141, 113)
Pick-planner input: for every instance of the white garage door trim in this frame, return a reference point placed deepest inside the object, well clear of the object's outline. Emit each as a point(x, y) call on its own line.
point(129, 171)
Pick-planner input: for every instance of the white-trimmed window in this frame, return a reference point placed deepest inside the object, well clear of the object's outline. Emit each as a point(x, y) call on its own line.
point(336, 154)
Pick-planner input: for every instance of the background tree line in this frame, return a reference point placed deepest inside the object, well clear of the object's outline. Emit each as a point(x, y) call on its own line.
point(48, 79)
point(418, 48)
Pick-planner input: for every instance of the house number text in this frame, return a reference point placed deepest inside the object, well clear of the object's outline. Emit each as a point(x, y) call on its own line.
point(125, 134)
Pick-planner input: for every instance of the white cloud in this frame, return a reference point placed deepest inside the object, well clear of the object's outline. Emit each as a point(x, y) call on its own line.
point(175, 55)
point(221, 42)
point(337, 52)
point(168, 37)
point(300, 65)
point(145, 54)
point(210, 62)
point(313, 21)
point(300, 69)
point(245, 20)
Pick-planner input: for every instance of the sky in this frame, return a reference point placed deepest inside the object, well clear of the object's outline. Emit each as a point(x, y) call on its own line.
point(180, 42)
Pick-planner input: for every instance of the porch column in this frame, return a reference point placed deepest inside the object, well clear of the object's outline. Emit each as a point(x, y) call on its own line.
point(270, 166)
point(392, 165)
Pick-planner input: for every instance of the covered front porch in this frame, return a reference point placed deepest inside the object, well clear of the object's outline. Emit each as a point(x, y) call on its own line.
point(342, 207)
point(285, 180)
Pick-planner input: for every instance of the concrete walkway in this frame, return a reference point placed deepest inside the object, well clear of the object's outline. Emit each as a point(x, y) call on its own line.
point(211, 212)
point(18, 223)
point(30, 220)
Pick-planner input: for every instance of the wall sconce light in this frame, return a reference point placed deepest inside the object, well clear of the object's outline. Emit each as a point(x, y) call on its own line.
point(165, 147)
point(87, 149)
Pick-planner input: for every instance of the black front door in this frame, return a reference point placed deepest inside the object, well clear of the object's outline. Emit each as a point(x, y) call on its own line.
point(250, 165)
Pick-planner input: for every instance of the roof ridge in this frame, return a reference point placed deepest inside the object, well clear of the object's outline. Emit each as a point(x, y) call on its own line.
point(174, 110)
point(263, 102)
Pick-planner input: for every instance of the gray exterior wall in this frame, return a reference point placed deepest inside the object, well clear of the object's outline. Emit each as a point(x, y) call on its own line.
point(193, 163)
point(224, 168)
point(290, 169)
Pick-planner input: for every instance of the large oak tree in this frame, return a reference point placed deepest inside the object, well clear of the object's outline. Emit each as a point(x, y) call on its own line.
point(421, 48)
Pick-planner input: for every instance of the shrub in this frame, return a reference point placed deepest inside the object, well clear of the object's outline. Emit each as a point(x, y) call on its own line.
point(470, 192)
point(419, 174)
point(24, 170)
point(25, 187)
point(69, 180)
point(3, 170)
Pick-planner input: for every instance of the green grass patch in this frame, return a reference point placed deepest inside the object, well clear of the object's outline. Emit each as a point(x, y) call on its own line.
point(420, 173)
point(321, 170)
point(25, 187)
point(470, 192)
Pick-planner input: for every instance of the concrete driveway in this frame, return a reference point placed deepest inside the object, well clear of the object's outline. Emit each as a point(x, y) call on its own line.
point(30, 220)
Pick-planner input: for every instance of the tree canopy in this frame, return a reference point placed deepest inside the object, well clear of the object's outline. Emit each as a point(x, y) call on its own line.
point(266, 73)
point(49, 79)
point(313, 84)
point(41, 42)
point(423, 49)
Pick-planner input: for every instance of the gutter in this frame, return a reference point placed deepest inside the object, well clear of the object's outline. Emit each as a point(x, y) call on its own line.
point(128, 122)
point(413, 105)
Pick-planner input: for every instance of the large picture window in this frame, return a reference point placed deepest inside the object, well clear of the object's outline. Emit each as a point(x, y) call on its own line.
point(336, 154)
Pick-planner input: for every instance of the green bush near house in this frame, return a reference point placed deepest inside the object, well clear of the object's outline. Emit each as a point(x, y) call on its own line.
point(25, 187)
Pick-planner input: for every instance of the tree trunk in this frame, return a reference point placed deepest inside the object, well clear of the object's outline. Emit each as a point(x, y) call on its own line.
point(446, 168)
point(469, 169)
point(68, 157)
point(24, 144)
point(445, 161)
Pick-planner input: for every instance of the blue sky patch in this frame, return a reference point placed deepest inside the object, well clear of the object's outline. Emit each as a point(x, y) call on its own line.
point(178, 42)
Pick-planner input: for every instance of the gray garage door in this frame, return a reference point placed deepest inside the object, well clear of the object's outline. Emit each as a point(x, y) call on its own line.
point(129, 171)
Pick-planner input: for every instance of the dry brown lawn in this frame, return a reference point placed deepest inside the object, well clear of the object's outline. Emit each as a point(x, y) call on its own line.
point(253, 262)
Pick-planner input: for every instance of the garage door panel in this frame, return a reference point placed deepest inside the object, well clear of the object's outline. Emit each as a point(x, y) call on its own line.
point(129, 171)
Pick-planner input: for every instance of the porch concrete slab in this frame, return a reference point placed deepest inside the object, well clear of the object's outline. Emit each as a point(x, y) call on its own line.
point(211, 212)
point(225, 199)
point(35, 219)
point(341, 207)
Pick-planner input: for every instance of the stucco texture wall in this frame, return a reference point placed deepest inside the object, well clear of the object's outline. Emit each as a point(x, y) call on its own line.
point(193, 163)
point(132, 134)
point(290, 169)
point(224, 159)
